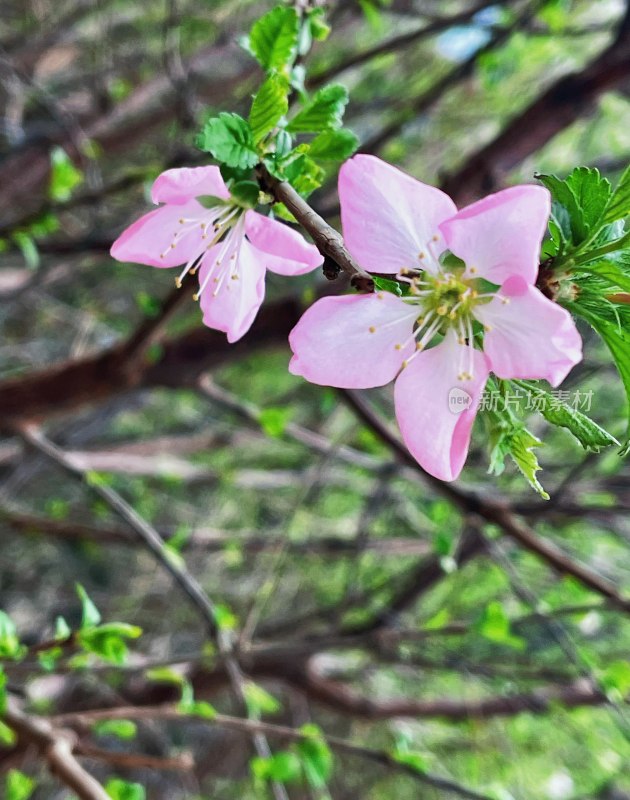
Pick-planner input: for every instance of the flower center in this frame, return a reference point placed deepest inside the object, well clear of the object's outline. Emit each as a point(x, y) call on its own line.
point(211, 228)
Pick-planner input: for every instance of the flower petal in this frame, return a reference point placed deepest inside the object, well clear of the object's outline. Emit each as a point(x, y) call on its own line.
point(500, 235)
point(436, 410)
point(149, 239)
point(177, 186)
point(388, 217)
point(234, 307)
point(281, 248)
point(529, 336)
point(353, 342)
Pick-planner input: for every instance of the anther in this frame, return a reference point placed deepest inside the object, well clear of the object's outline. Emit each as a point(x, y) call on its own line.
point(196, 296)
point(372, 329)
point(380, 295)
point(487, 328)
point(505, 300)
point(442, 310)
point(472, 270)
point(178, 283)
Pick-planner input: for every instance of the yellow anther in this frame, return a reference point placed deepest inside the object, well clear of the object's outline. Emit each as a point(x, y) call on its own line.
point(505, 300)
point(372, 329)
point(234, 277)
point(442, 310)
point(461, 340)
point(195, 297)
point(161, 255)
point(472, 270)
point(181, 220)
point(487, 328)
point(404, 364)
point(419, 346)
point(422, 255)
point(474, 294)
point(380, 295)
point(435, 238)
point(452, 315)
point(178, 283)
point(173, 246)
point(398, 346)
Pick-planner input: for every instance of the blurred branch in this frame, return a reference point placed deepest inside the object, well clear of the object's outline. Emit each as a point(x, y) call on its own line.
point(56, 746)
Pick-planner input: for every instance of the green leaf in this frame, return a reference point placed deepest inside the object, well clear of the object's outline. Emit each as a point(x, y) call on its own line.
point(64, 176)
point(588, 433)
point(198, 708)
point(284, 767)
point(165, 675)
point(90, 615)
point(619, 204)
point(230, 140)
point(28, 247)
point(388, 285)
point(18, 786)
point(494, 625)
point(8, 737)
point(518, 443)
point(615, 680)
point(107, 641)
point(317, 760)
point(270, 104)
point(259, 701)
point(118, 789)
point(334, 145)
point(320, 29)
point(245, 193)
point(273, 38)
point(274, 421)
point(584, 195)
point(10, 646)
point(616, 272)
point(324, 111)
point(210, 201)
point(416, 761)
point(225, 618)
point(123, 729)
point(617, 339)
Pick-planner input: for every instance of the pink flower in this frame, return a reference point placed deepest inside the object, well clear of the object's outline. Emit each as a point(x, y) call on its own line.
point(229, 245)
point(472, 306)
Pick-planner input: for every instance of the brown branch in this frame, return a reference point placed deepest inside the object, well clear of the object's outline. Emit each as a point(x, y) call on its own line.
point(328, 241)
point(56, 746)
point(284, 732)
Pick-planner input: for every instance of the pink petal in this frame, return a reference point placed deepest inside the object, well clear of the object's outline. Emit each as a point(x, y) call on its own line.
point(436, 410)
point(237, 301)
point(388, 217)
point(180, 185)
point(334, 344)
point(150, 237)
point(501, 235)
point(530, 336)
point(281, 248)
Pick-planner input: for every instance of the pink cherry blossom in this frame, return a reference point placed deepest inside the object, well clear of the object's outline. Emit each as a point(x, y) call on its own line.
point(472, 307)
point(230, 246)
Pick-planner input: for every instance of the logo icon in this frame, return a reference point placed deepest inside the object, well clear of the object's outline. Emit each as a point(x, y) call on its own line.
point(459, 400)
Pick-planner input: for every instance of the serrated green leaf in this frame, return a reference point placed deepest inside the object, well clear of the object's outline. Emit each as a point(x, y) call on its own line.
point(619, 204)
point(273, 38)
point(230, 140)
point(334, 145)
point(616, 272)
point(617, 339)
point(270, 104)
point(324, 111)
point(584, 195)
point(521, 451)
point(588, 433)
point(90, 615)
